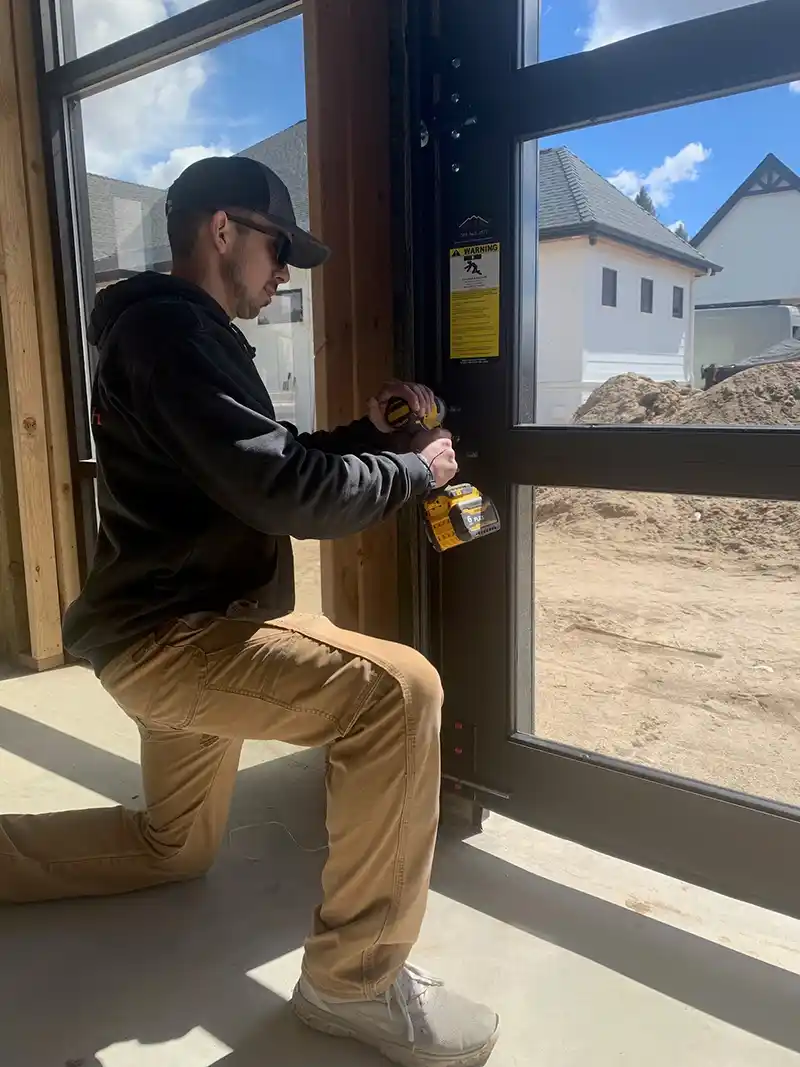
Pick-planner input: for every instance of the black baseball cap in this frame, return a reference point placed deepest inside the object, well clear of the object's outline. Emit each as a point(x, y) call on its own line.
point(228, 182)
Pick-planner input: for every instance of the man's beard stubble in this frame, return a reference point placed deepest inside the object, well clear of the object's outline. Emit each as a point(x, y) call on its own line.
point(243, 304)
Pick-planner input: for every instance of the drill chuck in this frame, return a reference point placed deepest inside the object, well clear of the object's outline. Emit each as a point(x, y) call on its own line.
point(400, 416)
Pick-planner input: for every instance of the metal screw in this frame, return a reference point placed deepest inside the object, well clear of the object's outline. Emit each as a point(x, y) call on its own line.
point(456, 167)
point(456, 63)
point(456, 135)
point(455, 98)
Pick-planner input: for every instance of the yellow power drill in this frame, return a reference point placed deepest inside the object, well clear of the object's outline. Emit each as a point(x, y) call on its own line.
point(455, 514)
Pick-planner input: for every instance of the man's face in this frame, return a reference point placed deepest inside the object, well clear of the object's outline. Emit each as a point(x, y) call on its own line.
point(250, 262)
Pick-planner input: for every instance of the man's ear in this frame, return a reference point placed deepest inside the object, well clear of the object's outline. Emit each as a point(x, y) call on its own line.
point(221, 230)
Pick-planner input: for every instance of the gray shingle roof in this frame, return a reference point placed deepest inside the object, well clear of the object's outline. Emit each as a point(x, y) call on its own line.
point(287, 154)
point(123, 239)
point(122, 236)
point(575, 200)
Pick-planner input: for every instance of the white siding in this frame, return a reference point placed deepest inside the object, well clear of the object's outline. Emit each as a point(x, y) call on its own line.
point(128, 233)
point(582, 343)
point(624, 338)
point(560, 329)
point(758, 245)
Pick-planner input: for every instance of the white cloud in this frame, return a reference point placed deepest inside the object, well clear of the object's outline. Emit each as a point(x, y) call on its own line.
point(141, 130)
point(684, 166)
point(100, 22)
point(794, 87)
point(676, 225)
point(127, 128)
point(614, 20)
point(628, 182)
point(161, 175)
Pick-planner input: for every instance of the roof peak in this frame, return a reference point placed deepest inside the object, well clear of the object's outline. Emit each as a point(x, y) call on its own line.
point(771, 175)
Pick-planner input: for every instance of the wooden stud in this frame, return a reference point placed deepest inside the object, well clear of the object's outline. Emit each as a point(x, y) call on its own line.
point(371, 275)
point(61, 489)
point(332, 315)
point(23, 367)
point(347, 48)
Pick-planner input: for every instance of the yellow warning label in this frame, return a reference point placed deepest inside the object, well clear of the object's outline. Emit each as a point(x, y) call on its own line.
point(475, 302)
point(474, 250)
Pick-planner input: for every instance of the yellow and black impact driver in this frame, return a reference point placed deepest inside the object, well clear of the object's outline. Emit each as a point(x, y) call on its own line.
point(455, 514)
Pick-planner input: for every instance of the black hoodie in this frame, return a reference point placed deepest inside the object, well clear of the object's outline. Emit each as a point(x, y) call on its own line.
point(199, 487)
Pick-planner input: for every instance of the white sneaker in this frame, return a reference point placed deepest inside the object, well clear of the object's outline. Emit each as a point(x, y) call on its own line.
point(416, 1022)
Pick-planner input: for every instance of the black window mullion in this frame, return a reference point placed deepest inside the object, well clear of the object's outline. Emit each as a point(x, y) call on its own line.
point(753, 462)
point(747, 48)
point(177, 37)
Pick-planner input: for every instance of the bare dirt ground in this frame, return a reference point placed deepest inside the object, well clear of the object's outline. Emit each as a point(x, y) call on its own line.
point(662, 640)
point(670, 656)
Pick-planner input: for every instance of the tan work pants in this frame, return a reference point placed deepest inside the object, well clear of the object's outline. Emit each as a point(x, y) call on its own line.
point(196, 693)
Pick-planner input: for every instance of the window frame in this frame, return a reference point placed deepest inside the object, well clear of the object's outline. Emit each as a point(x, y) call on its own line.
point(679, 314)
point(645, 282)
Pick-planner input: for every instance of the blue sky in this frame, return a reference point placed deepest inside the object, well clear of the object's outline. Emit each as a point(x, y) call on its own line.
point(237, 94)
point(221, 101)
point(735, 133)
point(257, 84)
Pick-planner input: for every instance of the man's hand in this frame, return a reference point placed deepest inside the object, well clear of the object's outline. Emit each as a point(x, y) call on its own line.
point(420, 440)
point(435, 447)
point(418, 397)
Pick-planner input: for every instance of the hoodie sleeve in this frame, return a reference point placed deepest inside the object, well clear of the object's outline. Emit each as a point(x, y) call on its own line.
point(359, 436)
point(257, 470)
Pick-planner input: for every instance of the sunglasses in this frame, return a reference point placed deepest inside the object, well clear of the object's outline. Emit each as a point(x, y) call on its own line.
point(283, 244)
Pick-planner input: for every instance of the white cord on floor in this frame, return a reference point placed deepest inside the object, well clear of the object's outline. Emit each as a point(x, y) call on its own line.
point(260, 825)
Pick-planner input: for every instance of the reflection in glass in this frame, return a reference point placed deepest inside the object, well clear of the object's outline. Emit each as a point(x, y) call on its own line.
point(666, 634)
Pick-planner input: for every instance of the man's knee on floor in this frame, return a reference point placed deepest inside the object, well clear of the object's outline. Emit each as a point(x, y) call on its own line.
point(183, 860)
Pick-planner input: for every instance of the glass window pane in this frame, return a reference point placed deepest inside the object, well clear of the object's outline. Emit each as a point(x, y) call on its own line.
point(609, 288)
point(686, 223)
point(666, 633)
point(87, 25)
point(209, 104)
point(569, 26)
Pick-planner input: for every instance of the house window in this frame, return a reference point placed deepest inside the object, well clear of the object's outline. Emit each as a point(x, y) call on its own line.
point(609, 288)
point(647, 296)
point(286, 307)
point(677, 302)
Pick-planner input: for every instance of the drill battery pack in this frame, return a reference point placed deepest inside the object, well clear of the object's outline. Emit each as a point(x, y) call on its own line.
point(457, 515)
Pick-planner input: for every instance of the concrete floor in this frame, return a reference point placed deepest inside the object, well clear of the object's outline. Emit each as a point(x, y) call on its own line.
point(591, 961)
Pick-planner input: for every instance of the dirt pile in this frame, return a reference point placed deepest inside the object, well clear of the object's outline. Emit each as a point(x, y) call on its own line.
point(632, 398)
point(767, 533)
point(763, 396)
